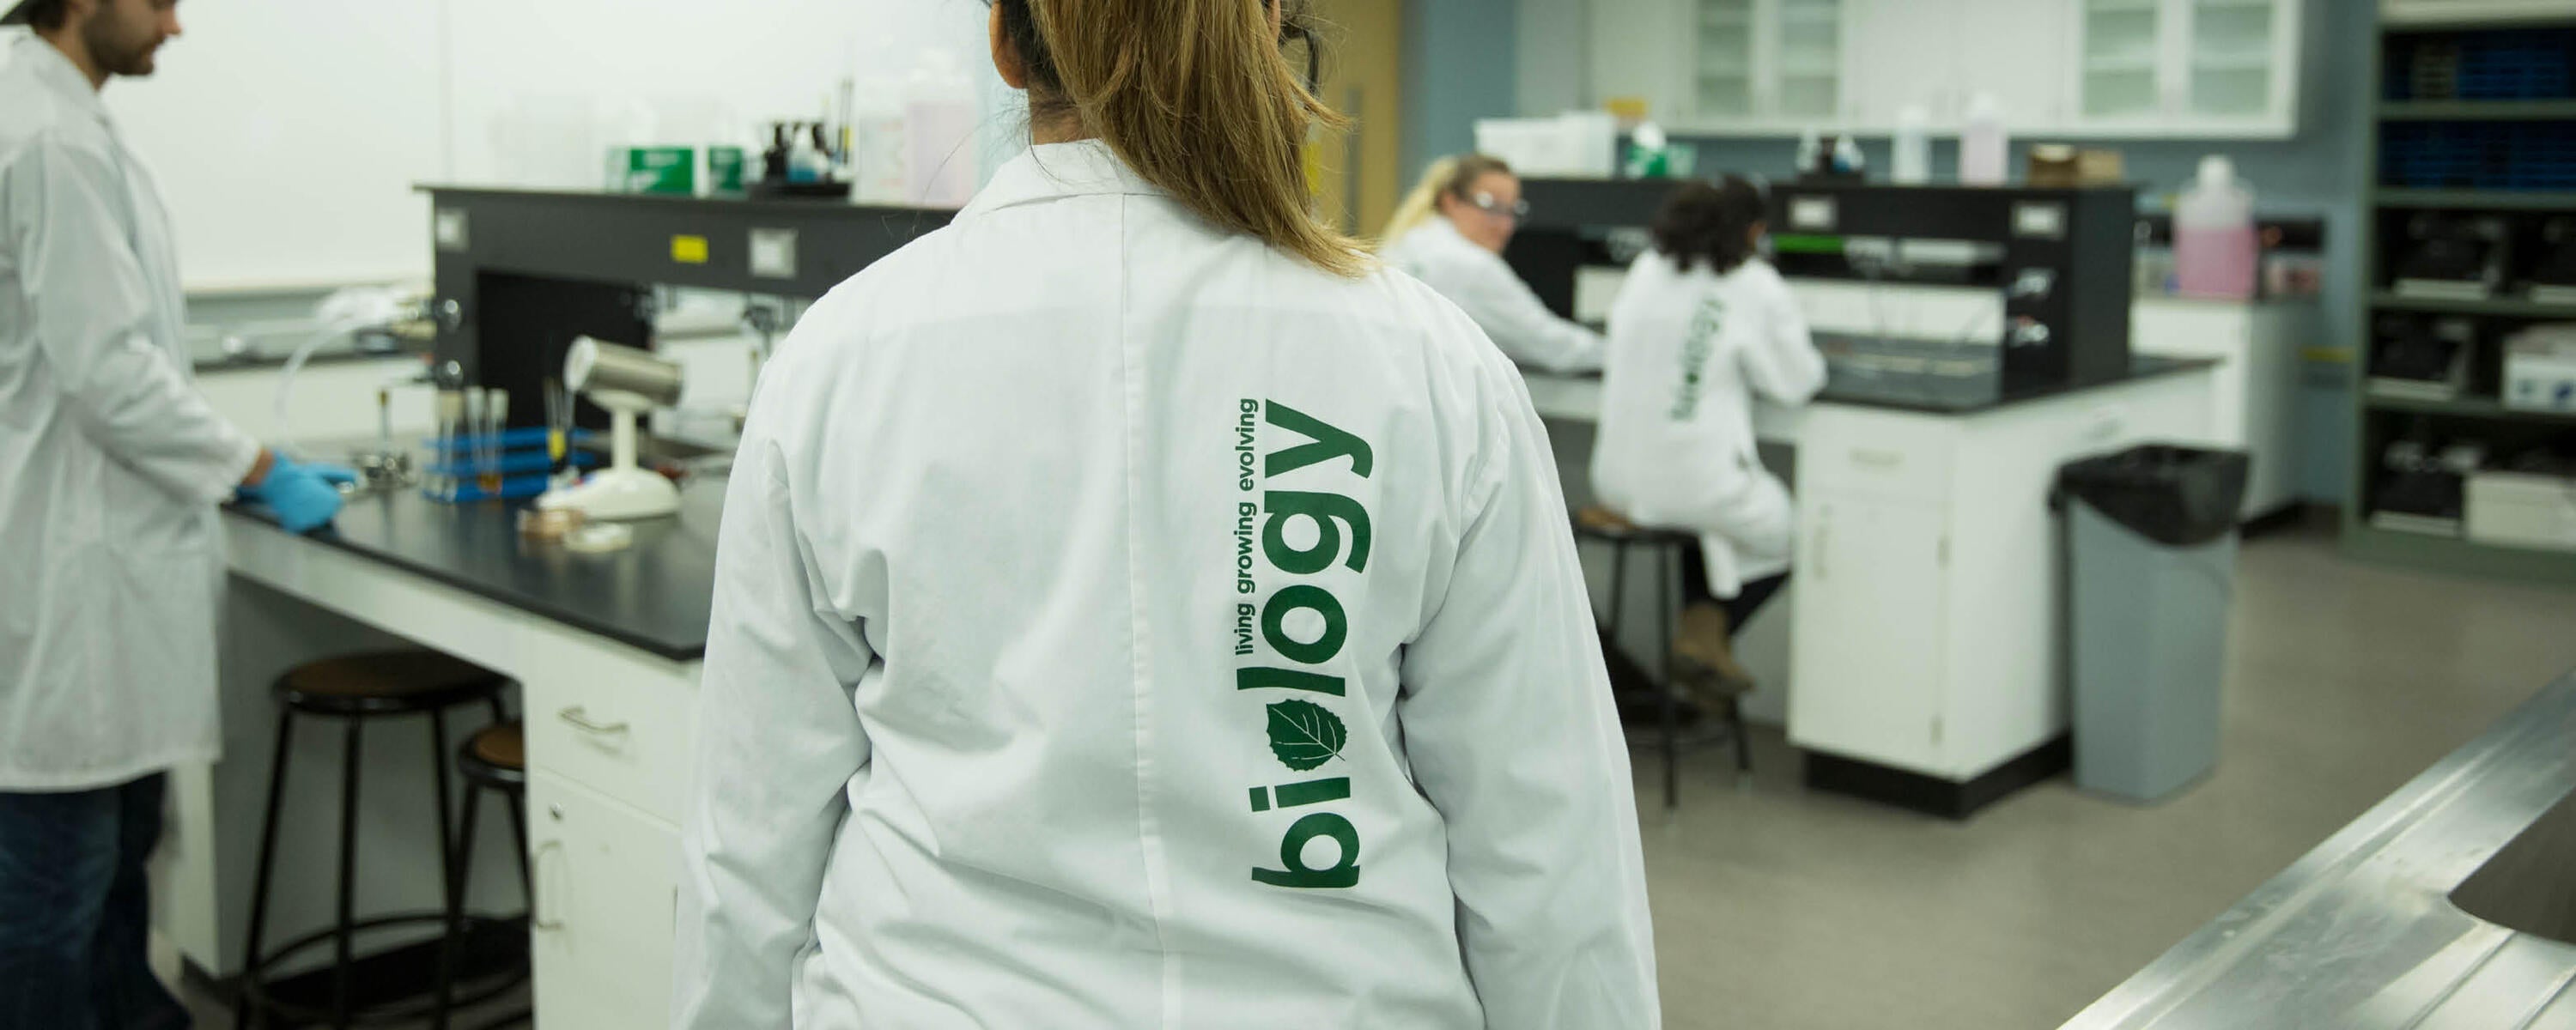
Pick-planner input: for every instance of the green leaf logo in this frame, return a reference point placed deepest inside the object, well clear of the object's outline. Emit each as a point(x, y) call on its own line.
point(1305, 734)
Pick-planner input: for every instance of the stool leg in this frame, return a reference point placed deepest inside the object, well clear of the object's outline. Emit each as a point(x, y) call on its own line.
point(1664, 692)
point(348, 900)
point(1743, 740)
point(1618, 584)
point(460, 877)
point(438, 758)
point(261, 874)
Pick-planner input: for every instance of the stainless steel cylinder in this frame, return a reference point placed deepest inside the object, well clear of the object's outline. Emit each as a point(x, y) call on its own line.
point(594, 366)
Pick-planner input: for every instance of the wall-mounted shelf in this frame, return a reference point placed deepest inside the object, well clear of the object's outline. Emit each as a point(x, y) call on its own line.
point(2467, 407)
point(2480, 200)
point(2477, 110)
point(2502, 307)
point(2378, 420)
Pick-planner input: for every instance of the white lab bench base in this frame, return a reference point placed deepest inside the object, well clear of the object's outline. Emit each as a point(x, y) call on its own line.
point(1923, 634)
point(2254, 400)
point(610, 749)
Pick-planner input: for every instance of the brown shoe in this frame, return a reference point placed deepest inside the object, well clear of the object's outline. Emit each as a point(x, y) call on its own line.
point(1707, 659)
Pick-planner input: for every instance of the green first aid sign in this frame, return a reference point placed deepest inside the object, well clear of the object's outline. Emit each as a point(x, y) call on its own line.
point(1302, 730)
point(664, 170)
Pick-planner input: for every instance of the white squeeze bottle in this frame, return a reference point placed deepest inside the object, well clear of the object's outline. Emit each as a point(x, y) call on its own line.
point(1913, 163)
point(943, 157)
point(2214, 246)
point(1983, 147)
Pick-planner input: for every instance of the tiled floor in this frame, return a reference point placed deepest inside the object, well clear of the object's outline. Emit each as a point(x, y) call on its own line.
point(1776, 909)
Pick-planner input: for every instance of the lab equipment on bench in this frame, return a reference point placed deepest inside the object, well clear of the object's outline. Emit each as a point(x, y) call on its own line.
point(2151, 568)
point(628, 382)
point(2540, 368)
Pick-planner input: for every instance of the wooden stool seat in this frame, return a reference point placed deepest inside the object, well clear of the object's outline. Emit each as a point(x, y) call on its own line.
point(497, 755)
point(386, 683)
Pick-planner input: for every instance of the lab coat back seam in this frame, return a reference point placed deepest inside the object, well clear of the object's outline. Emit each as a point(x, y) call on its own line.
point(1140, 666)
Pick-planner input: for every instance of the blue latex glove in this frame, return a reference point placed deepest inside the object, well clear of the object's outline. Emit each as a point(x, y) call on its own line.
point(303, 497)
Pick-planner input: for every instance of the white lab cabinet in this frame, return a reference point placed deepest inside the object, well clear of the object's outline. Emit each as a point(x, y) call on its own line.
point(2188, 67)
point(607, 889)
point(2254, 393)
point(1925, 635)
point(1702, 63)
point(2061, 68)
point(1876, 562)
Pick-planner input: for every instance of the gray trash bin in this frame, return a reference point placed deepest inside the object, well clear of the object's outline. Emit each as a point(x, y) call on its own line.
point(2151, 567)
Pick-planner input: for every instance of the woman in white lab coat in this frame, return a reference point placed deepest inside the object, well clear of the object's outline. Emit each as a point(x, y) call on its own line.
point(1702, 327)
point(1450, 233)
point(1134, 609)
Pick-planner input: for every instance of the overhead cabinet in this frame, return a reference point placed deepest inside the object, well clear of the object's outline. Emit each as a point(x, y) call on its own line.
point(2067, 68)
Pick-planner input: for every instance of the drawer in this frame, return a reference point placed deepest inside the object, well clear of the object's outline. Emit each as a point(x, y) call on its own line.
point(1895, 458)
point(631, 737)
point(607, 890)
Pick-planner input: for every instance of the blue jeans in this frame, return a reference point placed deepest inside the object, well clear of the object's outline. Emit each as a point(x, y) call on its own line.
point(73, 913)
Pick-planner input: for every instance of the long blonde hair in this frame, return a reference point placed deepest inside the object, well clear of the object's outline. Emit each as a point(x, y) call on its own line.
point(1449, 176)
point(1199, 98)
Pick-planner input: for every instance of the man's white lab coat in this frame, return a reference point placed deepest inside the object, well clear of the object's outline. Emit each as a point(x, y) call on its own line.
point(1688, 353)
point(110, 462)
point(1121, 624)
point(1484, 286)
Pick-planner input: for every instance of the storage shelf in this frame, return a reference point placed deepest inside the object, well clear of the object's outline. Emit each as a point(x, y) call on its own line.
point(2484, 200)
point(2448, 554)
point(2477, 110)
point(2388, 300)
point(2466, 407)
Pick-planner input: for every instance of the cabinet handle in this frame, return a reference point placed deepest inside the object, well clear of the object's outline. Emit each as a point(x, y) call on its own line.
point(1875, 458)
point(536, 908)
point(1824, 541)
point(581, 721)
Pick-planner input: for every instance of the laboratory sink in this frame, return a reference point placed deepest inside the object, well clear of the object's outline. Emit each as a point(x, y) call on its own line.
point(2530, 886)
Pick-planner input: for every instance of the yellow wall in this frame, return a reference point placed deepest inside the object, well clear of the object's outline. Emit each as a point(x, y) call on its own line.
point(1362, 41)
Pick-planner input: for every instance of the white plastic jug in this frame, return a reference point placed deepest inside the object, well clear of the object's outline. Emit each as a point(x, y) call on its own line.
point(2215, 253)
point(942, 157)
point(1913, 162)
point(1984, 148)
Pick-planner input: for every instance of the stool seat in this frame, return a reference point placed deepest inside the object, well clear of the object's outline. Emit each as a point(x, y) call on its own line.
point(498, 755)
point(1604, 524)
point(386, 683)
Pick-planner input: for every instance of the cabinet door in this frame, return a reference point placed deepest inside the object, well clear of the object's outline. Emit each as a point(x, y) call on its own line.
point(1866, 653)
point(2121, 59)
point(1907, 53)
point(607, 879)
point(2240, 62)
point(1722, 59)
point(1638, 49)
point(2017, 51)
point(1807, 60)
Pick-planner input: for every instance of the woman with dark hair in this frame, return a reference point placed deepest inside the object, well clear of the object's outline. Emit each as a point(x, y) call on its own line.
point(1702, 326)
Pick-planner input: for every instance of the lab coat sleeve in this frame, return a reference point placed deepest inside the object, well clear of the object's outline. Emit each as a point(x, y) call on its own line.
point(1519, 323)
point(779, 742)
point(1782, 363)
point(1508, 723)
point(93, 314)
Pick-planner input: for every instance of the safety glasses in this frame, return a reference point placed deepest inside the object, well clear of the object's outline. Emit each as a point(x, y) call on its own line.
point(1487, 203)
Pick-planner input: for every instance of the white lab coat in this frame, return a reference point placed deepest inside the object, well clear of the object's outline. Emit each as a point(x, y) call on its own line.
point(1483, 285)
point(110, 461)
point(978, 746)
point(1688, 353)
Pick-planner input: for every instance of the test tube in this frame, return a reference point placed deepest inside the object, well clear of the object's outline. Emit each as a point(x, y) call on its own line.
point(498, 407)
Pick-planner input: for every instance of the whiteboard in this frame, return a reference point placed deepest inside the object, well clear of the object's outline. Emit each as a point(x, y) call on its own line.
point(286, 135)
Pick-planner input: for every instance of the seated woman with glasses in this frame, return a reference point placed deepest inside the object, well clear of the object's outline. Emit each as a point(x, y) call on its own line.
point(1450, 234)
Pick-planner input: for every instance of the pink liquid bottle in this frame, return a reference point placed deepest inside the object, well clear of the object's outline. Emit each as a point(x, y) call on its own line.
point(2215, 253)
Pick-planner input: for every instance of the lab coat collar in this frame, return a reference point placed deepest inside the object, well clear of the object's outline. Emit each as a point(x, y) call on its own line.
point(57, 71)
point(1052, 170)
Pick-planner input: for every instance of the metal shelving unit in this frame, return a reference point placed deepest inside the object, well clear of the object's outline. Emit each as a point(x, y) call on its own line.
point(2378, 418)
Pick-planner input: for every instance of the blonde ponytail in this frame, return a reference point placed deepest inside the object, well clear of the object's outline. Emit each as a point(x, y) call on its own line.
point(1196, 96)
point(1448, 176)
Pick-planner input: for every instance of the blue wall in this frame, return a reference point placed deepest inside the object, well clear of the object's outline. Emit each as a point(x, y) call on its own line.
point(1459, 65)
